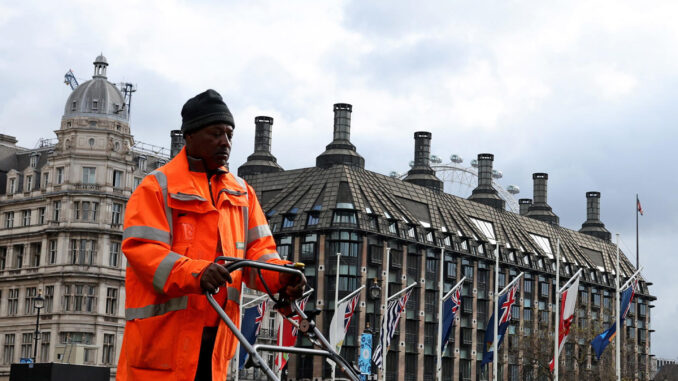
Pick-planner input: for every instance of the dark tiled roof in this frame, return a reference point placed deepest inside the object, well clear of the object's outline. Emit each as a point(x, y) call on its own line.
point(408, 203)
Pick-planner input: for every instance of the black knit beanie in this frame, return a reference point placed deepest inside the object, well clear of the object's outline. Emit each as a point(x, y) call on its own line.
point(204, 109)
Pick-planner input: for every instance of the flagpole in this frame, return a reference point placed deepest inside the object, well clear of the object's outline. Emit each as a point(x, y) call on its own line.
point(336, 300)
point(347, 297)
point(557, 290)
point(631, 278)
point(383, 313)
point(618, 334)
point(496, 312)
point(279, 318)
point(637, 252)
point(439, 352)
point(237, 349)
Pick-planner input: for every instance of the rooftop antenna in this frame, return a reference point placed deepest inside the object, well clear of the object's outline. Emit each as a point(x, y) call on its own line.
point(127, 89)
point(69, 79)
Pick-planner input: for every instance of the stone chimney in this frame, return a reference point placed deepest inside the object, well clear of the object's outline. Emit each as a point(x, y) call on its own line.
point(261, 161)
point(593, 225)
point(176, 142)
point(485, 193)
point(422, 173)
point(340, 151)
point(540, 209)
point(524, 204)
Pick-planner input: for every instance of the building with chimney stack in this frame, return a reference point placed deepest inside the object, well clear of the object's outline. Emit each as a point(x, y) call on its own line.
point(338, 206)
point(62, 205)
point(61, 212)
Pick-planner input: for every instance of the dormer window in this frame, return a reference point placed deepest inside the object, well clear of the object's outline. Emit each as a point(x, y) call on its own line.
point(142, 163)
point(34, 159)
point(73, 105)
point(95, 105)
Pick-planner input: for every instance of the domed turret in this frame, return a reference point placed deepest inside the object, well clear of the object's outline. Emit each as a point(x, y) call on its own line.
point(97, 97)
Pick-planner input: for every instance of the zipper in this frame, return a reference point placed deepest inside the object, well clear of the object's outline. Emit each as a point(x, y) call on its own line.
point(209, 185)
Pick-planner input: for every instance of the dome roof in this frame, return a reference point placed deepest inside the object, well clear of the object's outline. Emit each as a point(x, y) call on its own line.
point(97, 97)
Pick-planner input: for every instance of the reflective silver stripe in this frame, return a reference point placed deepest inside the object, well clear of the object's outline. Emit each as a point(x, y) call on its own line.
point(241, 182)
point(266, 257)
point(163, 271)
point(146, 232)
point(186, 197)
point(233, 294)
point(174, 304)
point(245, 224)
point(162, 181)
point(257, 232)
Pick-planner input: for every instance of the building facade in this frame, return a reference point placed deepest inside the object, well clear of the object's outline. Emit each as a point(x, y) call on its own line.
point(62, 207)
point(61, 215)
point(339, 207)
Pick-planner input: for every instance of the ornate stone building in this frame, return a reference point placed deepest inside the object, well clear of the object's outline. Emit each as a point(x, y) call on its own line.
point(61, 214)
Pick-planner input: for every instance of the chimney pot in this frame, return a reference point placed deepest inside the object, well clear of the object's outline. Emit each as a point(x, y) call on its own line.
point(540, 209)
point(263, 134)
point(340, 151)
point(524, 204)
point(176, 142)
point(593, 225)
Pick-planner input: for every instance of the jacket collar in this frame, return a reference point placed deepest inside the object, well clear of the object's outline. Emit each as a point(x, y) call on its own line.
point(196, 164)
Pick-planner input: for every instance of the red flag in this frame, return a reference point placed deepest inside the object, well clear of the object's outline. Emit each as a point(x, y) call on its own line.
point(568, 304)
point(289, 335)
point(640, 208)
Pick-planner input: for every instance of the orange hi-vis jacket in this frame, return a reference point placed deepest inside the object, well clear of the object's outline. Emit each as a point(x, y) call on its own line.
point(174, 228)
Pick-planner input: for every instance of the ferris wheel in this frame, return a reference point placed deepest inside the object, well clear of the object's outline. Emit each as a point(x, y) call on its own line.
point(460, 180)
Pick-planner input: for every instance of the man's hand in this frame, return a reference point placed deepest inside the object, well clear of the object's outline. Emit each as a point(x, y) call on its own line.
point(214, 277)
point(292, 285)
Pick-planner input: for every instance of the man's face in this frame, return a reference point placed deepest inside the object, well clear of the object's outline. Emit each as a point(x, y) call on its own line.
point(212, 144)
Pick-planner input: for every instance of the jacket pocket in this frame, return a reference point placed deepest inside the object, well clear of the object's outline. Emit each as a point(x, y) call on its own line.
point(151, 342)
point(184, 229)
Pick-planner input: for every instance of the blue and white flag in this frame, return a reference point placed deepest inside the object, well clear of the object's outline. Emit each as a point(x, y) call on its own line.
point(450, 308)
point(505, 303)
point(388, 325)
point(365, 359)
point(250, 326)
point(601, 341)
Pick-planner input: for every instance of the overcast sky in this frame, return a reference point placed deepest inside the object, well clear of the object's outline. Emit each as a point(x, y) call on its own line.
point(584, 91)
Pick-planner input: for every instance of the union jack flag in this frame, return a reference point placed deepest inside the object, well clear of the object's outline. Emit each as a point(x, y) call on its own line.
point(450, 308)
point(507, 304)
point(288, 338)
point(388, 325)
point(250, 327)
point(506, 301)
point(350, 309)
point(341, 320)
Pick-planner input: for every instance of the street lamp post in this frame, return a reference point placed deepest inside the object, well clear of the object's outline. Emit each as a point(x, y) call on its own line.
point(38, 304)
point(375, 295)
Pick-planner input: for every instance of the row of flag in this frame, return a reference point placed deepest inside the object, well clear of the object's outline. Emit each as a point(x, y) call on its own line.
point(253, 318)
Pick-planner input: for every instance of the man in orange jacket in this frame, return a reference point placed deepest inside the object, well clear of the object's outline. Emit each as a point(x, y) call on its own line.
point(180, 218)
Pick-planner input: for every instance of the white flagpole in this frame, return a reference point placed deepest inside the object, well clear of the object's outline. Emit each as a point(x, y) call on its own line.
point(441, 289)
point(336, 300)
point(557, 291)
point(617, 345)
point(237, 349)
point(496, 312)
point(383, 313)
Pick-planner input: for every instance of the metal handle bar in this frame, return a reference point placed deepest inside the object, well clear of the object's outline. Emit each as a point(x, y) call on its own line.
point(257, 361)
